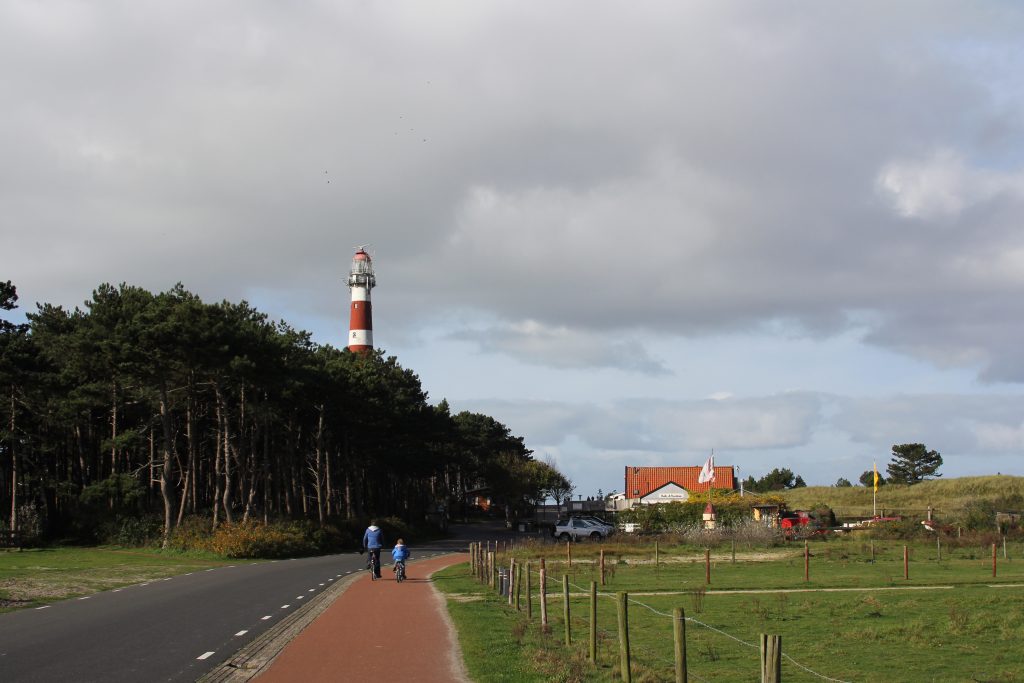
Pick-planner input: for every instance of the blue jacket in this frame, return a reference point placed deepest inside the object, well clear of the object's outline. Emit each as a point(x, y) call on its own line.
point(373, 539)
point(400, 552)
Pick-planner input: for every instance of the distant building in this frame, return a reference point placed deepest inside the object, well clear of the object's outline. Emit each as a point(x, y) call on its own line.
point(648, 485)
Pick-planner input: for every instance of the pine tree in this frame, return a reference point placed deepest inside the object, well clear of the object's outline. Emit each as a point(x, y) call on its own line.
point(913, 463)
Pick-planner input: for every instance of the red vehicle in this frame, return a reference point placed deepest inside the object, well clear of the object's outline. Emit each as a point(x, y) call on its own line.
point(792, 522)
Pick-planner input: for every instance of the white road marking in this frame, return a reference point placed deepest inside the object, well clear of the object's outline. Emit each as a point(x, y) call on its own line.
point(285, 606)
point(204, 655)
point(189, 574)
point(168, 578)
point(321, 584)
point(241, 633)
point(43, 607)
point(210, 570)
point(143, 584)
point(85, 598)
point(300, 597)
point(265, 618)
point(116, 590)
point(312, 589)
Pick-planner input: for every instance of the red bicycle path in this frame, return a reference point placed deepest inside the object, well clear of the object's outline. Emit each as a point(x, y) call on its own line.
point(378, 629)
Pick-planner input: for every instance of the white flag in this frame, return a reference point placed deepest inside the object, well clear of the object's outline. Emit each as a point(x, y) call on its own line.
point(707, 473)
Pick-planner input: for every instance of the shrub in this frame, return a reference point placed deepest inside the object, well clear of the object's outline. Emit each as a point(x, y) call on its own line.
point(906, 528)
point(253, 539)
point(731, 510)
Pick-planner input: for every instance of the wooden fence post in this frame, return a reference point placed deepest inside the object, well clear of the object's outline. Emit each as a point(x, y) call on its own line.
point(734, 551)
point(529, 593)
point(771, 658)
point(872, 552)
point(623, 603)
point(593, 621)
point(511, 582)
point(707, 566)
point(568, 553)
point(543, 597)
point(938, 548)
point(565, 610)
point(602, 566)
point(807, 562)
point(679, 634)
point(519, 585)
point(993, 560)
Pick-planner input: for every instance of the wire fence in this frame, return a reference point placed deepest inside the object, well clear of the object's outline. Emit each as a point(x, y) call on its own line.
point(506, 580)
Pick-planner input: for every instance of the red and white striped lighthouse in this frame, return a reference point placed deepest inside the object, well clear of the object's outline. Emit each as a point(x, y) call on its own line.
point(360, 282)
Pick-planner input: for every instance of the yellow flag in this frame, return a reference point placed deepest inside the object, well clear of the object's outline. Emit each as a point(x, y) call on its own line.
point(875, 467)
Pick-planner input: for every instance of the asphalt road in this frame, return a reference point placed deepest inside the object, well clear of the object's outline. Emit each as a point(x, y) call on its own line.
point(174, 629)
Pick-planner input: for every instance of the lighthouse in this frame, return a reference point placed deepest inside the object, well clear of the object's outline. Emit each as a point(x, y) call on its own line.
point(360, 282)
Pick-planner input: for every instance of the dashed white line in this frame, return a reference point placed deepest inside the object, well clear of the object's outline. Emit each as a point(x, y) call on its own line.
point(168, 578)
point(300, 597)
point(312, 589)
point(321, 584)
point(265, 618)
point(204, 655)
point(43, 607)
point(241, 633)
point(285, 606)
point(85, 597)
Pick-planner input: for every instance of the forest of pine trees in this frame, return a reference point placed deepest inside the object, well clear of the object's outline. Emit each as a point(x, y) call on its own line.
point(162, 405)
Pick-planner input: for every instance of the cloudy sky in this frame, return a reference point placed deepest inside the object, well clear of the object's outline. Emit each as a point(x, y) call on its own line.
point(790, 232)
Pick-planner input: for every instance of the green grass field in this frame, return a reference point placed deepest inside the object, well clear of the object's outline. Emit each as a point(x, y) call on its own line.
point(35, 577)
point(951, 621)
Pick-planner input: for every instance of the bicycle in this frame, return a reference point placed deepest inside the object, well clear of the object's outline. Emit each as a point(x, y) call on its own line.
point(400, 571)
point(372, 565)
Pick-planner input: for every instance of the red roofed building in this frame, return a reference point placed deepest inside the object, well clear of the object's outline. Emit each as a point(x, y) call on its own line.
point(642, 481)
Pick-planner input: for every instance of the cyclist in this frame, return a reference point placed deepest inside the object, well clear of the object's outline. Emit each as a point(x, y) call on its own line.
point(373, 541)
point(400, 553)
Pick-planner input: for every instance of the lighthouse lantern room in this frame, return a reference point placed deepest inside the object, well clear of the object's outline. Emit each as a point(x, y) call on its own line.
point(360, 281)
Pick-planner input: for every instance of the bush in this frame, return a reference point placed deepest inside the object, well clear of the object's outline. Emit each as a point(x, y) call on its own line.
point(133, 531)
point(906, 528)
point(730, 509)
point(253, 540)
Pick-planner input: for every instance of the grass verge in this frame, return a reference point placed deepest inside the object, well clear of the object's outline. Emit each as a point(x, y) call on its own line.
point(30, 578)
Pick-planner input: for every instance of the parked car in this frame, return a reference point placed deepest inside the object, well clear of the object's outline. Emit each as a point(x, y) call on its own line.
point(575, 528)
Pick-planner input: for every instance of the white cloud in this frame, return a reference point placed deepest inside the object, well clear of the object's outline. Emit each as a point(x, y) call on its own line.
point(943, 185)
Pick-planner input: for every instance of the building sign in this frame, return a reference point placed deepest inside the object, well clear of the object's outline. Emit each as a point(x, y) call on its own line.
point(669, 493)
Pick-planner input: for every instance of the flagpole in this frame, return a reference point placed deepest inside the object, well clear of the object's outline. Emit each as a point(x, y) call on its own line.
point(874, 490)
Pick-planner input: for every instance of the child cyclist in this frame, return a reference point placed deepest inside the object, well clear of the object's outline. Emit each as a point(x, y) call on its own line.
point(400, 553)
